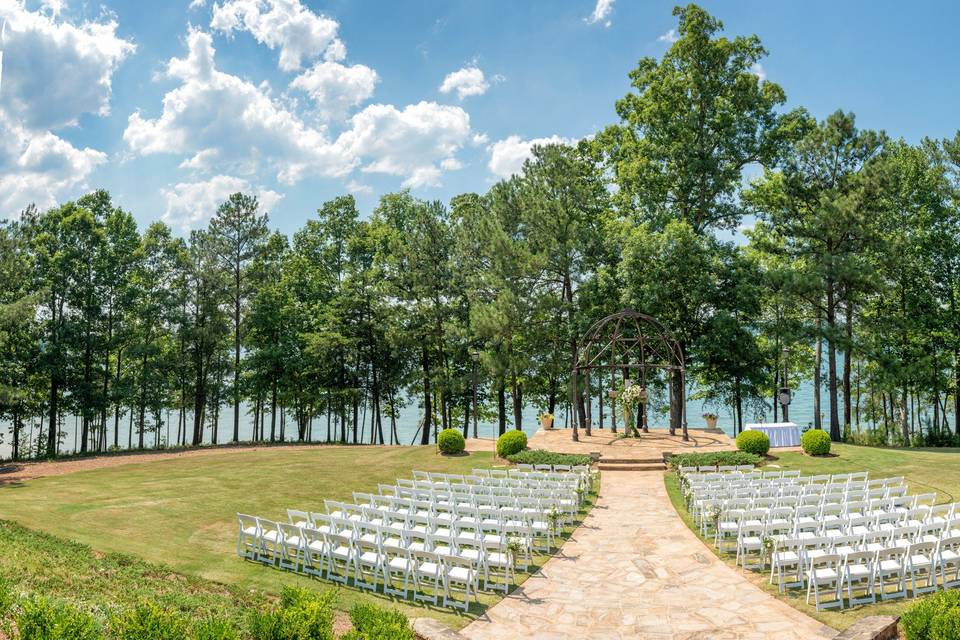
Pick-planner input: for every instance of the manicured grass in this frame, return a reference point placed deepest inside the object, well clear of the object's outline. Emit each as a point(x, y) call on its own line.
point(926, 470)
point(182, 512)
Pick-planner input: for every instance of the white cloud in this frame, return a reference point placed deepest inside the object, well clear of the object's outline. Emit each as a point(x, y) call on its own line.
point(190, 204)
point(407, 142)
point(212, 110)
point(468, 81)
point(669, 36)
point(356, 187)
point(758, 70)
point(601, 13)
point(508, 155)
point(215, 112)
point(299, 33)
point(336, 88)
point(55, 71)
point(39, 167)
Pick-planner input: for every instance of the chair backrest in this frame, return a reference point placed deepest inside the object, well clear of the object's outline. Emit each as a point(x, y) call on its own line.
point(246, 522)
point(290, 533)
point(922, 548)
point(859, 557)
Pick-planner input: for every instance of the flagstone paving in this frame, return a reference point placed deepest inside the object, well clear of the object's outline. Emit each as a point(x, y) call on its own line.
point(634, 570)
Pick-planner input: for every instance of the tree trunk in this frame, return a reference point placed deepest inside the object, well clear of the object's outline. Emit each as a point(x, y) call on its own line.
point(817, 375)
point(501, 408)
point(832, 361)
point(847, 361)
point(273, 411)
point(427, 400)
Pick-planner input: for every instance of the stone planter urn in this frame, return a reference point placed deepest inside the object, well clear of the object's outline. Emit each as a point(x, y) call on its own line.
point(546, 421)
point(711, 421)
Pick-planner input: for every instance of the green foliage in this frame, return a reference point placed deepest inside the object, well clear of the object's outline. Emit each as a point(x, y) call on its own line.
point(541, 456)
point(301, 615)
point(214, 629)
point(39, 618)
point(755, 442)
point(714, 458)
point(374, 623)
point(7, 598)
point(451, 441)
point(815, 442)
point(934, 617)
point(511, 442)
point(148, 620)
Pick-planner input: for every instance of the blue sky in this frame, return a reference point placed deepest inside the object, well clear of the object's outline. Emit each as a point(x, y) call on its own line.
point(172, 105)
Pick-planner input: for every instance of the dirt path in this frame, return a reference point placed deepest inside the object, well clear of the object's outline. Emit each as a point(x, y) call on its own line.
point(13, 472)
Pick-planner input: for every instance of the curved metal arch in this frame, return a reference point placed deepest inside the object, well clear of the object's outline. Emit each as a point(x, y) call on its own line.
point(646, 344)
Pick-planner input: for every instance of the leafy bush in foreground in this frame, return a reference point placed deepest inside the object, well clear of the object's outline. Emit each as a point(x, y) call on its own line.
point(148, 620)
point(541, 456)
point(374, 623)
point(815, 442)
point(451, 441)
point(511, 442)
point(42, 619)
point(714, 458)
point(935, 617)
point(754, 442)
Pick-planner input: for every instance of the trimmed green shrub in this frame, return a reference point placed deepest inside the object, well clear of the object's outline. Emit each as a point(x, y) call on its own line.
point(755, 442)
point(43, 619)
point(714, 458)
point(541, 456)
point(923, 619)
point(148, 621)
point(451, 441)
point(374, 623)
point(511, 442)
point(815, 442)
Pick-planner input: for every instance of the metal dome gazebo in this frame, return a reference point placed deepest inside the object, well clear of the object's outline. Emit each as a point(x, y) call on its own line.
point(630, 342)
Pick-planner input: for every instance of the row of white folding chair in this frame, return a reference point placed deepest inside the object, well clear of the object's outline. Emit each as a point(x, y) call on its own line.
point(871, 565)
point(792, 486)
point(831, 505)
point(562, 499)
point(565, 491)
point(426, 510)
point(503, 522)
point(565, 480)
point(801, 495)
point(834, 517)
point(442, 571)
point(533, 474)
point(443, 502)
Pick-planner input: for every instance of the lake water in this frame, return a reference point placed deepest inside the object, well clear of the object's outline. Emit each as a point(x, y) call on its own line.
point(801, 412)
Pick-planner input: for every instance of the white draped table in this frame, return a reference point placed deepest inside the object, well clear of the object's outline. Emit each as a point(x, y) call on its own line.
point(781, 434)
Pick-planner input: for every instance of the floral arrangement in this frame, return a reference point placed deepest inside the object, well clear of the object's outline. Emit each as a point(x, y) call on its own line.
point(709, 416)
point(546, 416)
point(633, 395)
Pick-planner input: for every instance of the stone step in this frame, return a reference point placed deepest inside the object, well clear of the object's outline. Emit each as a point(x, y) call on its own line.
point(622, 466)
point(611, 460)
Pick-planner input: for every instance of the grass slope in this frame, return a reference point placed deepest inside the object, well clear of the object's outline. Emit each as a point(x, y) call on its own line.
point(182, 512)
point(926, 470)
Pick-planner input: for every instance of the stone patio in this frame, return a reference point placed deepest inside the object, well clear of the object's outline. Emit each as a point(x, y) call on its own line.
point(634, 570)
point(648, 445)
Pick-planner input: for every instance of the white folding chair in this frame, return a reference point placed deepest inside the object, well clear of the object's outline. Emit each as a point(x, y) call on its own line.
point(889, 572)
point(786, 557)
point(922, 566)
point(948, 562)
point(459, 576)
point(823, 578)
point(340, 557)
point(248, 537)
point(857, 573)
point(427, 576)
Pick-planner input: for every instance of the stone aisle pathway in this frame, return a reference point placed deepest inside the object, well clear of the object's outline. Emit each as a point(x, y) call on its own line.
point(634, 570)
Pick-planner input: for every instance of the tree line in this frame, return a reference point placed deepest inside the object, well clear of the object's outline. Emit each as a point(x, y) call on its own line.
point(847, 267)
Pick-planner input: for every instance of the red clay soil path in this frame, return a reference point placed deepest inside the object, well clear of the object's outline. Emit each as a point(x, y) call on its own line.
point(12, 472)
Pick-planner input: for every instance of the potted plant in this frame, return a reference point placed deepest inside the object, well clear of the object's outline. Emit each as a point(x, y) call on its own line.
point(711, 419)
point(546, 420)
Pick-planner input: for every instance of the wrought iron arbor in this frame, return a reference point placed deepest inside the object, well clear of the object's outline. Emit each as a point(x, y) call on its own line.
point(630, 342)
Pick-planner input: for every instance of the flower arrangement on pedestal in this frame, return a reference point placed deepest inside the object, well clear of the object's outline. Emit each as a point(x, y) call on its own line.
point(629, 397)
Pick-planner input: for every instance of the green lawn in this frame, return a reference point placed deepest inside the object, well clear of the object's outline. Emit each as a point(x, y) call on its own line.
point(926, 470)
point(181, 512)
